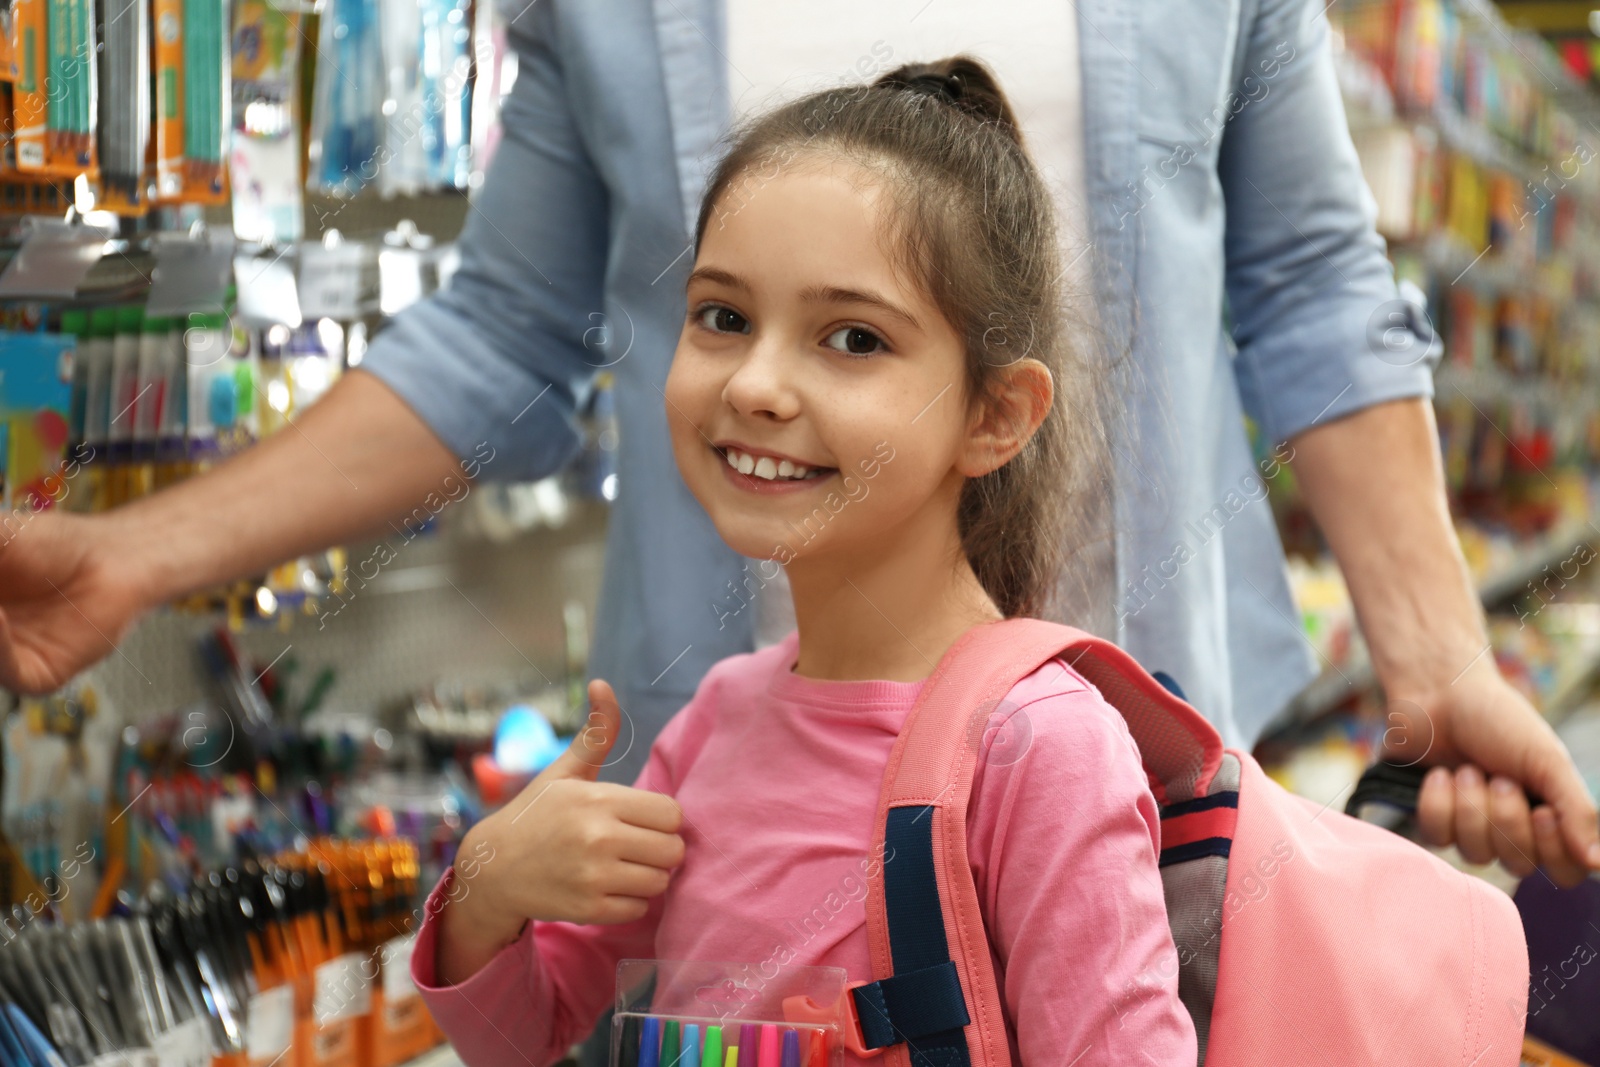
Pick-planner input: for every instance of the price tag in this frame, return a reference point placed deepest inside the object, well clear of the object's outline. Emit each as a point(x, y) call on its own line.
point(343, 990)
point(397, 983)
point(186, 1045)
point(337, 281)
point(270, 1026)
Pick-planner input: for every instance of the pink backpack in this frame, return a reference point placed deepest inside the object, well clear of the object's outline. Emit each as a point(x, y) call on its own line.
point(1303, 935)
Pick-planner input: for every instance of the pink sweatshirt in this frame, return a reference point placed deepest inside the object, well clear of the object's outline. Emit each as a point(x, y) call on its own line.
point(778, 777)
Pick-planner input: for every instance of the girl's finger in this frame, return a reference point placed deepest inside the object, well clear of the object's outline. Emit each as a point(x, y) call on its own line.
point(625, 879)
point(1436, 807)
point(642, 807)
point(649, 847)
point(612, 910)
point(1553, 849)
point(1472, 815)
point(1512, 825)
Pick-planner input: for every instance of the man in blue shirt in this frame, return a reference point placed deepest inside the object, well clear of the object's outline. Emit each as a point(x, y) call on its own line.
point(1234, 259)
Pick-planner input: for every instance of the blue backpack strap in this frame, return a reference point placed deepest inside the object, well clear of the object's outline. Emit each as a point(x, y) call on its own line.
point(922, 1004)
point(945, 1008)
point(1169, 683)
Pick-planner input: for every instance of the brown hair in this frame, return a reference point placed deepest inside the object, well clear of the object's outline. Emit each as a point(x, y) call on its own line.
point(974, 226)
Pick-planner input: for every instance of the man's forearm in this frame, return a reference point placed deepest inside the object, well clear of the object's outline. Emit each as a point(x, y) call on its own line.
point(1375, 485)
point(356, 458)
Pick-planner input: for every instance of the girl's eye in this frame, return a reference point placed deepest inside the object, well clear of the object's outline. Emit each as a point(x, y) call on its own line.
point(720, 319)
point(854, 341)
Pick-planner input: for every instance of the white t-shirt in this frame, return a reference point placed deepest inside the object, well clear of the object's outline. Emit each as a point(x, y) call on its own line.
point(778, 51)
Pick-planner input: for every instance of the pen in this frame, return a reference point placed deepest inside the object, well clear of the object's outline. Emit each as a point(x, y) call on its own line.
point(769, 1046)
point(669, 1043)
point(690, 1056)
point(628, 1054)
point(733, 1057)
point(819, 1049)
point(712, 1054)
point(748, 1036)
point(650, 1042)
point(791, 1048)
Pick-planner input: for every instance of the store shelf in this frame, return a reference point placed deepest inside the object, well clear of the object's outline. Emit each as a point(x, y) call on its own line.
point(1571, 693)
point(1547, 551)
point(446, 1056)
point(443, 1056)
point(1340, 682)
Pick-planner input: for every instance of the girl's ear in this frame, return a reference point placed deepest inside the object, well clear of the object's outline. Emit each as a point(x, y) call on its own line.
point(1017, 404)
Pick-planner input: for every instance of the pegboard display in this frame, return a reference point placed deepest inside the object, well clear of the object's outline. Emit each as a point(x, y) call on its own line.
point(452, 607)
point(440, 215)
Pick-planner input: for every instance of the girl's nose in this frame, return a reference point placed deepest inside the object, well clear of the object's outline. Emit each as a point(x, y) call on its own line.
point(761, 385)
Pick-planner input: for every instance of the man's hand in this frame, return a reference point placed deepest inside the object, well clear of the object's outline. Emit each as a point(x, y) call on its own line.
point(65, 601)
point(1375, 485)
point(71, 585)
point(1499, 746)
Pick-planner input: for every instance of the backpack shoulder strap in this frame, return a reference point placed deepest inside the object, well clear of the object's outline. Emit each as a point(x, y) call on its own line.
point(934, 1001)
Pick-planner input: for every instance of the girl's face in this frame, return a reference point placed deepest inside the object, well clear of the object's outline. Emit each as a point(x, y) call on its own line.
point(833, 385)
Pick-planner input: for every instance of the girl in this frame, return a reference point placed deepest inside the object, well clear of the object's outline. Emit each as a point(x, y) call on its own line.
point(862, 393)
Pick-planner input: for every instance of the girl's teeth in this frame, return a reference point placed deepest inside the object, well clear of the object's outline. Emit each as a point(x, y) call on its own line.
point(766, 467)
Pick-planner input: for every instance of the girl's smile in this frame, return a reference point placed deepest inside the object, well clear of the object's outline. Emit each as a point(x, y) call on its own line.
point(757, 471)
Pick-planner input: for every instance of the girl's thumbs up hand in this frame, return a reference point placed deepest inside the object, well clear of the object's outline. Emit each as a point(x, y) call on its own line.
point(566, 848)
point(591, 749)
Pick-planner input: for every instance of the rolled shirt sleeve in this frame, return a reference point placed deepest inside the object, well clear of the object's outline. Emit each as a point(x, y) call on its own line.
point(502, 358)
point(1320, 327)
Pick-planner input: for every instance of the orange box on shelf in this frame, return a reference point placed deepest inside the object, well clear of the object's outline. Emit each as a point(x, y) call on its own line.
point(401, 1029)
point(335, 1028)
point(401, 1025)
point(270, 1033)
point(333, 1044)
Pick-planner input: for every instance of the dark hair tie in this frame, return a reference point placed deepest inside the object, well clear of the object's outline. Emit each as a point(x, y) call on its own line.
point(947, 86)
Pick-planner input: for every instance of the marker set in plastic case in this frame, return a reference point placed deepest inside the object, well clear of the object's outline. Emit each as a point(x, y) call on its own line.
point(678, 1013)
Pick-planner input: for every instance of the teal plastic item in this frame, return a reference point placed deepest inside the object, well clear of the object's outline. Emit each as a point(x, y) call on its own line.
point(223, 402)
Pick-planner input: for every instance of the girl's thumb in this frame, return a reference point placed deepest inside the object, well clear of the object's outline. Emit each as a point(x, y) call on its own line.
point(592, 745)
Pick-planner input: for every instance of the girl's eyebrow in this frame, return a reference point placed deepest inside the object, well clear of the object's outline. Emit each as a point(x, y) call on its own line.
point(817, 294)
point(717, 276)
point(831, 294)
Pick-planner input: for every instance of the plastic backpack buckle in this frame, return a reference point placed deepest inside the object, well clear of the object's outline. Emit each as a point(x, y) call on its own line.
point(803, 1009)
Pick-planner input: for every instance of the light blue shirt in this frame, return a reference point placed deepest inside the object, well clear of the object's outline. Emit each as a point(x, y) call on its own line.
point(1236, 263)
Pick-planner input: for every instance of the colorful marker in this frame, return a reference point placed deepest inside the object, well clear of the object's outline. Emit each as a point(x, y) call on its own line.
point(628, 1054)
point(712, 1054)
point(650, 1042)
point(669, 1043)
point(691, 1045)
point(819, 1049)
point(769, 1045)
point(733, 1057)
point(791, 1048)
point(747, 1044)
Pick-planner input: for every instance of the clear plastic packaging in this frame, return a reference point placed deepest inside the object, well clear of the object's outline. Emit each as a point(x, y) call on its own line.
point(690, 1013)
